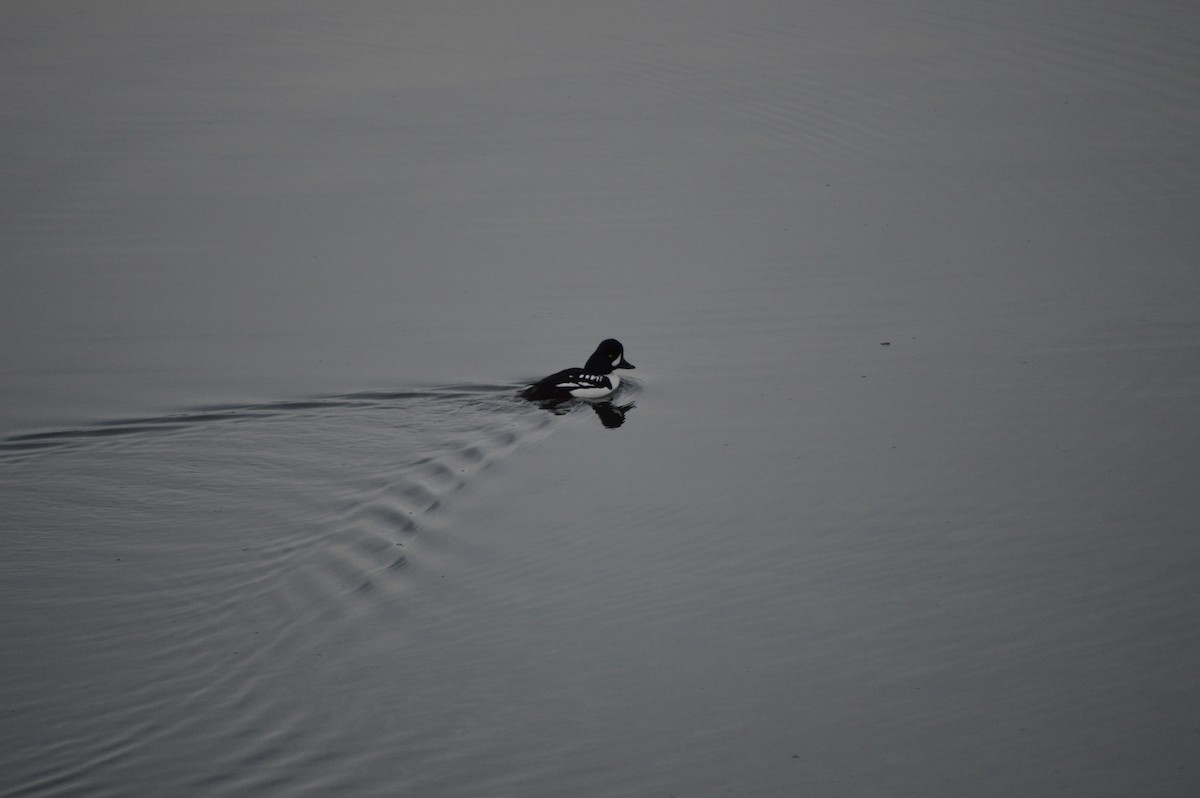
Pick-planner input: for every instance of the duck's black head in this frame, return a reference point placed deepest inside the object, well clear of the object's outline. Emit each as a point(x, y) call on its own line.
point(608, 356)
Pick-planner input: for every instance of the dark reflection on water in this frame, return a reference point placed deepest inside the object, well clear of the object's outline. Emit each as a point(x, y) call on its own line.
point(611, 415)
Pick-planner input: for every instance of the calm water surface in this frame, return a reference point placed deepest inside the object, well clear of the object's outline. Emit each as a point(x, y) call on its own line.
point(904, 498)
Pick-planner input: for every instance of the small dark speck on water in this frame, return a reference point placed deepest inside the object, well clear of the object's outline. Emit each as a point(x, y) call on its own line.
point(885, 343)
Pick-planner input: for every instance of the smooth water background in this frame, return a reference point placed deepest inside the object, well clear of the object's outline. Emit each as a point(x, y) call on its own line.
point(906, 501)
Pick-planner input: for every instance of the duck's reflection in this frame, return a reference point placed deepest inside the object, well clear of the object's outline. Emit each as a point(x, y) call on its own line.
point(610, 415)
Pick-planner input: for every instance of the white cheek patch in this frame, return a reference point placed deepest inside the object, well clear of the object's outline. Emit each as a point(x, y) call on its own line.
point(617, 362)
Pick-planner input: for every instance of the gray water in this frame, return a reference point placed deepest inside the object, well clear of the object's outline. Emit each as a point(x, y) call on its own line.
point(904, 501)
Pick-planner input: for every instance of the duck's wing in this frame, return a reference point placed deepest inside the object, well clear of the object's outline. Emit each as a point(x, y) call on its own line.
point(562, 383)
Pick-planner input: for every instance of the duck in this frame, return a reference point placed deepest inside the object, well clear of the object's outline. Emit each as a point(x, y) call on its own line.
point(596, 380)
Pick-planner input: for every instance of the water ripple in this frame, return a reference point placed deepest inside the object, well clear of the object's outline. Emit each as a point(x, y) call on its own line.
point(219, 551)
